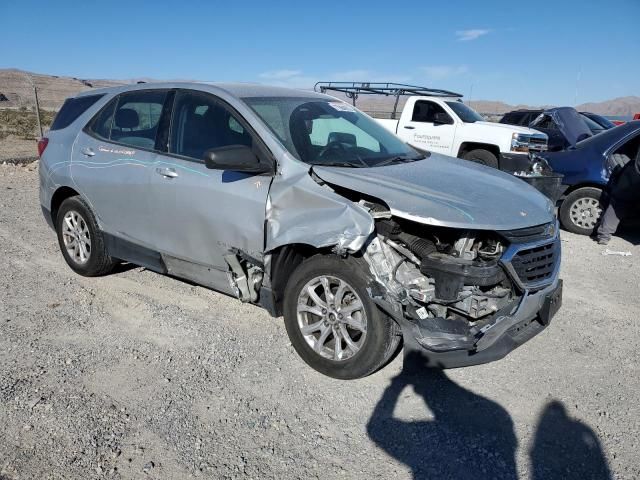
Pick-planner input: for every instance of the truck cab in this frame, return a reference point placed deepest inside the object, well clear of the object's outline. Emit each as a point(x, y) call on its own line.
point(448, 126)
point(437, 121)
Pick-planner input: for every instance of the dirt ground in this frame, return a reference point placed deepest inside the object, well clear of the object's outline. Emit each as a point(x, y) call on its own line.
point(14, 149)
point(138, 375)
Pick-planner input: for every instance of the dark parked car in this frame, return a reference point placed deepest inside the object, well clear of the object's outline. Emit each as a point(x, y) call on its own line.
point(563, 125)
point(605, 123)
point(587, 168)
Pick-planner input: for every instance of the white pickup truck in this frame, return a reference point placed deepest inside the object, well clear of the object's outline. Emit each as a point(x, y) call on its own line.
point(441, 123)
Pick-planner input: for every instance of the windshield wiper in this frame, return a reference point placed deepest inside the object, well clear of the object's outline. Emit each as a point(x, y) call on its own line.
point(399, 159)
point(339, 164)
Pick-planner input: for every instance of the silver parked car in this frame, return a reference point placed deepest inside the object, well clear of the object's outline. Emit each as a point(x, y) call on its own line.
point(299, 203)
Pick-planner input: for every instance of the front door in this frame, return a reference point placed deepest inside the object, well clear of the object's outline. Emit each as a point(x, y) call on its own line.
point(426, 130)
point(112, 160)
point(199, 215)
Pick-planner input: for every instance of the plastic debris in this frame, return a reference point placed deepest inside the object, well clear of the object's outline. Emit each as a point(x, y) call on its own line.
point(613, 252)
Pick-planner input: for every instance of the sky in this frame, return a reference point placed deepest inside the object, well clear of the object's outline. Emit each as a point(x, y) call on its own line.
point(532, 52)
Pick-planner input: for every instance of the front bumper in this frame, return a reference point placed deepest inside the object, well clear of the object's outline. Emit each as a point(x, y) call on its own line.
point(515, 162)
point(532, 315)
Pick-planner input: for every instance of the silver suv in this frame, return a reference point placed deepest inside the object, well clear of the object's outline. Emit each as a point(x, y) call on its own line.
point(299, 203)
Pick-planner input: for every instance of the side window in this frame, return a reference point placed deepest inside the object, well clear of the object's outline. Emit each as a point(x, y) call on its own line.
point(547, 122)
point(424, 111)
point(136, 118)
point(201, 123)
point(338, 130)
point(530, 117)
point(72, 109)
point(100, 125)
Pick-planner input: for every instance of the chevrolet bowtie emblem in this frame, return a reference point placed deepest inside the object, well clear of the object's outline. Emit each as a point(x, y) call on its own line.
point(523, 213)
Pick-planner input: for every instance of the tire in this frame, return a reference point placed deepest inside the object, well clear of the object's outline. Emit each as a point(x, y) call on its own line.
point(75, 220)
point(382, 335)
point(483, 157)
point(581, 210)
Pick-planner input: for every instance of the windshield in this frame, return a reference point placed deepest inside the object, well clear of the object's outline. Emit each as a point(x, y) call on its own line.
point(466, 113)
point(330, 132)
point(593, 126)
point(600, 120)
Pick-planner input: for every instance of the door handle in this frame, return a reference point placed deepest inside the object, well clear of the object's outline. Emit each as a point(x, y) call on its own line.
point(87, 151)
point(409, 127)
point(167, 172)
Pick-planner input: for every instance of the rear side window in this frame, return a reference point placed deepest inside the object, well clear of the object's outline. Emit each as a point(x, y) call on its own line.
point(71, 109)
point(136, 118)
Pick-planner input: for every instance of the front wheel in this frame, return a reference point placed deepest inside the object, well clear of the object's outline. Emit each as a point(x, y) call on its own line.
point(332, 322)
point(581, 209)
point(483, 157)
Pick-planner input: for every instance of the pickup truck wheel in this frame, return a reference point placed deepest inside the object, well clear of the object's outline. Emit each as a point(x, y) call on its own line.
point(80, 239)
point(332, 322)
point(484, 157)
point(581, 210)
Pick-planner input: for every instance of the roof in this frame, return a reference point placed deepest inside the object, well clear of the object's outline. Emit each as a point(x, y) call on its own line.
point(239, 90)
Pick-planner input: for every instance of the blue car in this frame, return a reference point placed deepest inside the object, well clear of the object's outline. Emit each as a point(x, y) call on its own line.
point(587, 166)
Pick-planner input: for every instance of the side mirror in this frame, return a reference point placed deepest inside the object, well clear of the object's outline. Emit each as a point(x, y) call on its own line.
point(442, 118)
point(238, 158)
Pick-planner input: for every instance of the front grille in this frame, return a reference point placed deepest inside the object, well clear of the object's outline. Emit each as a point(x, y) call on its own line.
point(536, 266)
point(538, 144)
point(528, 234)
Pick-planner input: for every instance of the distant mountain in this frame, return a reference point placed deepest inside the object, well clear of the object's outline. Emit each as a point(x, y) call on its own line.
point(16, 91)
point(15, 86)
point(622, 106)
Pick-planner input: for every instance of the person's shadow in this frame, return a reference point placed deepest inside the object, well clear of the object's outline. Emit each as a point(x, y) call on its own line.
point(565, 448)
point(470, 436)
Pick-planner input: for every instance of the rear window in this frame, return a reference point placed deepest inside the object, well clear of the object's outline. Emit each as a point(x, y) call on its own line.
point(72, 109)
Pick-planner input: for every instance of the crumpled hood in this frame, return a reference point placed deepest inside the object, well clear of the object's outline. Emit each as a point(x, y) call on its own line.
point(569, 122)
point(449, 192)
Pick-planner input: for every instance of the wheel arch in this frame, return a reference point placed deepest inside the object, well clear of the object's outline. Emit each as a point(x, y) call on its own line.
point(283, 261)
point(59, 196)
point(578, 186)
point(466, 147)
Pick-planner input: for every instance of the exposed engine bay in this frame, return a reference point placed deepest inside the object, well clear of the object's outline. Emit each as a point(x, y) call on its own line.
point(448, 281)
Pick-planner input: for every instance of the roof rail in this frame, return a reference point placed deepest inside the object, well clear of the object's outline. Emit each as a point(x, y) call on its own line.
point(353, 90)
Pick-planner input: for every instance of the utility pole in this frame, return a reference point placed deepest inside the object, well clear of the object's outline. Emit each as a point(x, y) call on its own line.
point(35, 96)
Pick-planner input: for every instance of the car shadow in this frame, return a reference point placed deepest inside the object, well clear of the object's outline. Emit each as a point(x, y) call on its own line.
point(565, 448)
point(472, 437)
point(630, 232)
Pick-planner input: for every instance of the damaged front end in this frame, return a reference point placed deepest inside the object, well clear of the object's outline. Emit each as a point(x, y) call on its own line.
point(463, 297)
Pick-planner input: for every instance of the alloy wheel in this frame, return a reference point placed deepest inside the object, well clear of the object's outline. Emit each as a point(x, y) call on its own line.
point(76, 237)
point(331, 318)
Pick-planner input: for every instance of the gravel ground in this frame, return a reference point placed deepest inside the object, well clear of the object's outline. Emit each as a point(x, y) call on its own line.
point(15, 150)
point(137, 375)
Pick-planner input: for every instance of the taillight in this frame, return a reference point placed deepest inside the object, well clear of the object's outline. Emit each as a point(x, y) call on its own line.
point(42, 144)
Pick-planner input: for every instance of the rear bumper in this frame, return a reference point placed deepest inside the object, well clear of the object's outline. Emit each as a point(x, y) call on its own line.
point(531, 317)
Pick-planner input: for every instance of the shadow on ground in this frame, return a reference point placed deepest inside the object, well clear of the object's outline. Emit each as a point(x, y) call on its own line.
point(472, 437)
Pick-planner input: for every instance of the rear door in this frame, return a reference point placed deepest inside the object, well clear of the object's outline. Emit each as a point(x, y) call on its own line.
point(423, 131)
point(199, 215)
point(112, 160)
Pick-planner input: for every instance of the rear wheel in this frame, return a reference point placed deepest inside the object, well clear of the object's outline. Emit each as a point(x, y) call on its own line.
point(332, 322)
point(581, 209)
point(80, 239)
point(481, 156)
